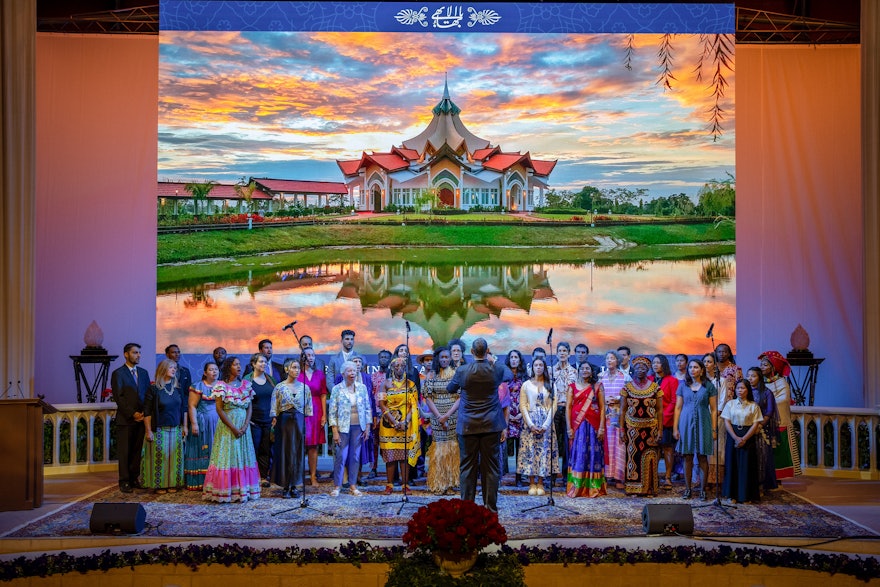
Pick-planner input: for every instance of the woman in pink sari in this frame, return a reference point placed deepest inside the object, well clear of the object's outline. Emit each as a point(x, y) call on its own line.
point(585, 416)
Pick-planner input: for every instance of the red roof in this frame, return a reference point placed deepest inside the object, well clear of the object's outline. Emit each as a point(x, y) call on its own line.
point(543, 167)
point(220, 191)
point(503, 161)
point(387, 161)
point(349, 167)
point(481, 154)
point(408, 154)
point(294, 186)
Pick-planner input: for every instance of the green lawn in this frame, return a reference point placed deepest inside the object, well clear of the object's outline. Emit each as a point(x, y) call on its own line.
point(251, 268)
point(173, 248)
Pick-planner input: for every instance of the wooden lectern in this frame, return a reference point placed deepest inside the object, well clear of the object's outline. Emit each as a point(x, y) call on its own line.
point(21, 453)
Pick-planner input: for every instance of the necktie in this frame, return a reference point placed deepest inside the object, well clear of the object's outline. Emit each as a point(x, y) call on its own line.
point(134, 374)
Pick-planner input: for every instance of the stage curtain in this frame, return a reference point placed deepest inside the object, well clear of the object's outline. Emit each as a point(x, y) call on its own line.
point(800, 248)
point(17, 211)
point(97, 99)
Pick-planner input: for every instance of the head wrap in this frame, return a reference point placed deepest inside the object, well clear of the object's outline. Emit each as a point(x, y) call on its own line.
point(643, 361)
point(780, 364)
point(398, 362)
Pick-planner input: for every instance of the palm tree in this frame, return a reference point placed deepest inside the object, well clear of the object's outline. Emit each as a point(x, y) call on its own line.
point(246, 191)
point(199, 192)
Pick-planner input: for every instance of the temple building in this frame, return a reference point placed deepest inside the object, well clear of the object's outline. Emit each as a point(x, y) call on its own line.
point(449, 161)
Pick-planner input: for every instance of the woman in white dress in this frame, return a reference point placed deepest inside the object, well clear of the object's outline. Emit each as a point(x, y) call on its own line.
point(538, 455)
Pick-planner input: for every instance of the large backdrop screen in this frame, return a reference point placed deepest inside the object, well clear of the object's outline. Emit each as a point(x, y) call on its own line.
point(467, 169)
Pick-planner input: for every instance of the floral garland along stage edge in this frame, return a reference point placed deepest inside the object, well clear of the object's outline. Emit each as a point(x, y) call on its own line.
point(356, 553)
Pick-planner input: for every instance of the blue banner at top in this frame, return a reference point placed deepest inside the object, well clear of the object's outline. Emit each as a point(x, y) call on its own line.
point(453, 17)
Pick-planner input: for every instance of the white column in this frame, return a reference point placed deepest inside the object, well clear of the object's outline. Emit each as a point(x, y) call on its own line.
point(18, 25)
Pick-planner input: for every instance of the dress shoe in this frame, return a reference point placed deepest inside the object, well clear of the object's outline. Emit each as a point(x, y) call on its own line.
point(372, 474)
point(362, 483)
point(264, 483)
point(286, 494)
point(125, 488)
point(293, 492)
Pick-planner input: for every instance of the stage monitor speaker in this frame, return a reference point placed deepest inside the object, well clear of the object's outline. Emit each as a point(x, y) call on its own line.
point(117, 518)
point(668, 518)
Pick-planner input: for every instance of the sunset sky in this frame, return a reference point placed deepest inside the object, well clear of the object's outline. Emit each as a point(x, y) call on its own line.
point(287, 105)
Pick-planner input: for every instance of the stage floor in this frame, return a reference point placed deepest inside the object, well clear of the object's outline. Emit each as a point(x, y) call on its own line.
point(858, 502)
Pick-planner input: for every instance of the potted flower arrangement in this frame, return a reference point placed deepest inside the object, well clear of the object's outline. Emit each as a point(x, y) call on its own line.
point(454, 531)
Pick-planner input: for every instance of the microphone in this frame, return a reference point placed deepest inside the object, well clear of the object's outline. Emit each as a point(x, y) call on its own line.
point(549, 336)
point(408, 329)
point(289, 326)
point(711, 328)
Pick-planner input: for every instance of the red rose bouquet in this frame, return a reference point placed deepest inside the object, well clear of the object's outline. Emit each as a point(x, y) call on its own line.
point(454, 526)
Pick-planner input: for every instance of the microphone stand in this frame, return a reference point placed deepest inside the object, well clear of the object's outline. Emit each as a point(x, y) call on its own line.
point(404, 500)
point(304, 502)
point(551, 503)
point(717, 501)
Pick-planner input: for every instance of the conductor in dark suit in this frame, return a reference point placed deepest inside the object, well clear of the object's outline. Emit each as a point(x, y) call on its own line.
point(129, 384)
point(481, 427)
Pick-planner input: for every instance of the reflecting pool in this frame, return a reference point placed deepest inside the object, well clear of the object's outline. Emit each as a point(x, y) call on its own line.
point(651, 305)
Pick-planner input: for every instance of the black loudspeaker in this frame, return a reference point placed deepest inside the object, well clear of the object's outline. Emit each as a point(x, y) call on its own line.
point(668, 518)
point(117, 518)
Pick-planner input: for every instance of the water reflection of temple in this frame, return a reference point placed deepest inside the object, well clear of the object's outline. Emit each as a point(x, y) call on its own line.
point(446, 300)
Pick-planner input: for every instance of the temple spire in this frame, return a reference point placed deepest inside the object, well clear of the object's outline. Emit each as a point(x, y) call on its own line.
point(446, 105)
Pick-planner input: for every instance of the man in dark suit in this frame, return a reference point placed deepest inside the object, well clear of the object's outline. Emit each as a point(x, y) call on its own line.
point(184, 376)
point(129, 384)
point(276, 370)
point(481, 427)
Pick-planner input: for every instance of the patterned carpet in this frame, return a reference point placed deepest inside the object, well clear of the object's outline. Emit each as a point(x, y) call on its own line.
point(184, 514)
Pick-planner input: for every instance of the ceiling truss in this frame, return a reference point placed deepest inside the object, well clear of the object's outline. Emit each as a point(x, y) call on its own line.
point(752, 26)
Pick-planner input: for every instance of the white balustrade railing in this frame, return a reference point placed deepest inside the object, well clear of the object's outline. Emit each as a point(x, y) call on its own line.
point(839, 442)
point(62, 443)
point(833, 442)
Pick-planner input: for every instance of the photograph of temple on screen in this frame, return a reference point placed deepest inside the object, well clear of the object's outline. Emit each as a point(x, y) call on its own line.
point(470, 183)
point(449, 160)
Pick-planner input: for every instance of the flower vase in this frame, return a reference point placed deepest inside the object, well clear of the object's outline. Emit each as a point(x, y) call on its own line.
point(455, 565)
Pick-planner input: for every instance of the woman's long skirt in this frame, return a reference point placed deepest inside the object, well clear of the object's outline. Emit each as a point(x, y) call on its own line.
point(232, 474)
point(287, 451)
point(444, 466)
point(786, 456)
point(741, 469)
point(586, 461)
point(615, 452)
point(198, 449)
point(766, 465)
point(162, 462)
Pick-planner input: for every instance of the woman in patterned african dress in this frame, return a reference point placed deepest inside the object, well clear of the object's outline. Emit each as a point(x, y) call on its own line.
point(399, 441)
point(641, 426)
point(443, 456)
